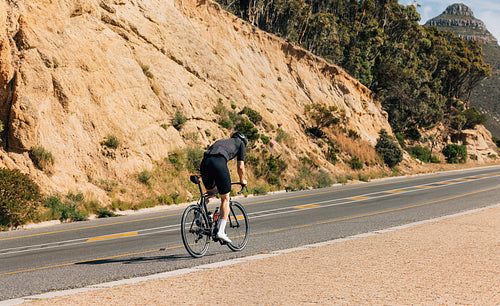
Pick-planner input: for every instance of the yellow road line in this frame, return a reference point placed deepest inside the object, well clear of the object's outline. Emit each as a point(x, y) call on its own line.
point(358, 198)
point(306, 206)
point(445, 183)
point(180, 214)
point(261, 233)
point(426, 186)
point(464, 180)
point(378, 213)
point(395, 191)
point(112, 236)
point(88, 227)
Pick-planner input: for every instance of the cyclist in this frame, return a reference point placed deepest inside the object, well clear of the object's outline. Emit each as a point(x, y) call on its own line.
point(216, 176)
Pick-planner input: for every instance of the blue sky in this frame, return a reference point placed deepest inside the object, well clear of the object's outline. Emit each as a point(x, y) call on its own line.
point(486, 10)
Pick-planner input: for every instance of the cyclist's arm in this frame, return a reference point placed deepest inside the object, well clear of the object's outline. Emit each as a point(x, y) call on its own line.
point(241, 171)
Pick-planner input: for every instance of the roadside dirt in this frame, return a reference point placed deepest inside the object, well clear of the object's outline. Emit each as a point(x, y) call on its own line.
point(447, 262)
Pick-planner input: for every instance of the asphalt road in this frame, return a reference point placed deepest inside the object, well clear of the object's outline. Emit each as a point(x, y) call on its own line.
point(74, 255)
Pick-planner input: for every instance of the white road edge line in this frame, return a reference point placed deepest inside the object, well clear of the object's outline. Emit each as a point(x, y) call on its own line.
point(48, 295)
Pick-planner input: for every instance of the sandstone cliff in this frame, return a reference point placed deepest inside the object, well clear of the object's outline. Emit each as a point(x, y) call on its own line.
point(73, 72)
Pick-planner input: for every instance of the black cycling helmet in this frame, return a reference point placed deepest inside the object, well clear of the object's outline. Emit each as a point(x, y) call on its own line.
point(241, 137)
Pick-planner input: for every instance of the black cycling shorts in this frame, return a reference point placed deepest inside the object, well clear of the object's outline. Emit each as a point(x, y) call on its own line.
point(214, 172)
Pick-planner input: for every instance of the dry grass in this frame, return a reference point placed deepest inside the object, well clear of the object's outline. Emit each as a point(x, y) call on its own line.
point(355, 148)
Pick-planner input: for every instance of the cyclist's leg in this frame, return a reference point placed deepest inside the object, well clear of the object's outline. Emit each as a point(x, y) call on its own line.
point(224, 206)
point(223, 183)
point(208, 173)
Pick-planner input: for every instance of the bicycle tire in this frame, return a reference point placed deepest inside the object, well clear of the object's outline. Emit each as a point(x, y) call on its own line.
point(194, 229)
point(237, 227)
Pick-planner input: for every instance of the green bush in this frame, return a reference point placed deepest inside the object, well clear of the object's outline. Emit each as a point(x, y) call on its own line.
point(178, 120)
point(194, 158)
point(111, 142)
point(259, 190)
point(323, 179)
point(265, 139)
point(145, 177)
point(274, 165)
point(413, 133)
point(455, 154)
point(355, 163)
point(474, 117)
point(354, 134)
point(331, 155)
point(421, 153)
point(226, 122)
point(42, 159)
point(390, 152)
point(323, 115)
point(248, 129)
point(458, 122)
point(65, 210)
point(435, 160)
point(253, 115)
point(401, 140)
point(496, 141)
point(104, 212)
point(315, 132)
point(19, 198)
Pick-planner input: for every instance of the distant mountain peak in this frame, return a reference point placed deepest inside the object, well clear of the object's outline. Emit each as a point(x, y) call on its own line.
point(459, 9)
point(459, 19)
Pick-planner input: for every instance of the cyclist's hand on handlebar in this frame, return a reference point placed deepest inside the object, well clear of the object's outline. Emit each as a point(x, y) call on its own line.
point(243, 184)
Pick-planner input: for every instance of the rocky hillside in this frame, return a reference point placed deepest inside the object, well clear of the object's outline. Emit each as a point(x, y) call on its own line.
point(459, 19)
point(75, 74)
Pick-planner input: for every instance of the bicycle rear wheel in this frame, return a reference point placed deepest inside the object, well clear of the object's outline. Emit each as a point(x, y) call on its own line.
point(237, 227)
point(195, 231)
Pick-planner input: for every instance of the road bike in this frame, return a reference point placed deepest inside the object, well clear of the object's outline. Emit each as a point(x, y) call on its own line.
point(199, 226)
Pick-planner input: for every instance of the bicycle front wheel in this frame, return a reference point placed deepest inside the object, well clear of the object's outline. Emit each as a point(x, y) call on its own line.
point(195, 231)
point(237, 227)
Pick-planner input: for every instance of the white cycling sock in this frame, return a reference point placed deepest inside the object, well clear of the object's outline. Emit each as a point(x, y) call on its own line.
point(222, 226)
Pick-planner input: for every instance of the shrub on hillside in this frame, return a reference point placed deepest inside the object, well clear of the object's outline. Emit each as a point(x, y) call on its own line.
point(111, 142)
point(42, 159)
point(248, 129)
point(458, 122)
point(387, 148)
point(413, 133)
point(194, 157)
point(67, 209)
point(455, 154)
point(19, 198)
point(421, 153)
point(145, 177)
point(355, 163)
point(496, 141)
point(474, 117)
point(253, 115)
point(178, 120)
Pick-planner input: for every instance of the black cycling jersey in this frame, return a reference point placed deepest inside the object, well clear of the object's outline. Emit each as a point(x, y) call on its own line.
point(228, 148)
point(213, 167)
